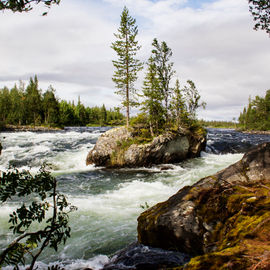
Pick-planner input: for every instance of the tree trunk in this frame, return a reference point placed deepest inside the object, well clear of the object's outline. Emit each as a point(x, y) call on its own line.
point(166, 107)
point(151, 129)
point(127, 112)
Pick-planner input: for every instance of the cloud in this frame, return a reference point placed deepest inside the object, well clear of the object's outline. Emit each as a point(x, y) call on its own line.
point(213, 44)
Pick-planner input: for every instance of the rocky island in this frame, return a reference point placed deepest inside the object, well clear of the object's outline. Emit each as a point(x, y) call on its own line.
point(122, 147)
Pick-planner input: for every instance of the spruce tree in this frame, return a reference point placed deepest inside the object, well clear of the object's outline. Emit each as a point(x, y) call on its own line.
point(127, 66)
point(16, 97)
point(178, 107)
point(33, 102)
point(153, 97)
point(5, 104)
point(103, 115)
point(192, 97)
point(50, 107)
point(162, 54)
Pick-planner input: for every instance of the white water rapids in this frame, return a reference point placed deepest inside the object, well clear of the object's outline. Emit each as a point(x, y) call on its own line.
point(108, 201)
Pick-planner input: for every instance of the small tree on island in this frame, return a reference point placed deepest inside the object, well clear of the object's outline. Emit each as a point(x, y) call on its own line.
point(192, 97)
point(153, 97)
point(167, 107)
point(161, 55)
point(47, 199)
point(127, 66)
point(178, 107)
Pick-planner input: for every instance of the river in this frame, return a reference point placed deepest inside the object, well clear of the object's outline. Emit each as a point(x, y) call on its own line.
point(108, 201)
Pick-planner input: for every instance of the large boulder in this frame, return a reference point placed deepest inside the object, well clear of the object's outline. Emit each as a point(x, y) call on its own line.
point(223, 220)
point(120, 147)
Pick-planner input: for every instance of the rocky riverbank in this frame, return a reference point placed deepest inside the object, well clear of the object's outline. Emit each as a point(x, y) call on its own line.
point(120, 147)
point(14, 128)
point(262, 132)
point(223, 220)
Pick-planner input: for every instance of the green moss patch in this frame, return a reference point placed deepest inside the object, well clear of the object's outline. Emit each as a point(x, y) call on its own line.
point(241, 231)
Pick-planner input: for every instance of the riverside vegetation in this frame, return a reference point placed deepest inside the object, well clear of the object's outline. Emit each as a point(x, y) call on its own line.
point(256, 116)
point(30, 105)
point(219, 124)
point(29, 244)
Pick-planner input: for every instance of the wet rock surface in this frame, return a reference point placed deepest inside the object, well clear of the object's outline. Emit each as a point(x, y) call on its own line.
point(140, 257)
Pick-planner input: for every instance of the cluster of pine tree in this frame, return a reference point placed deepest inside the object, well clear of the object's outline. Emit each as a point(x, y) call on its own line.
point(256, 116)
point(167, 106)
point(163, 105)
point(31, 106)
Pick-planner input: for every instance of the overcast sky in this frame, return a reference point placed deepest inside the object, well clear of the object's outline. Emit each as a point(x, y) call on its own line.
point(213, 44)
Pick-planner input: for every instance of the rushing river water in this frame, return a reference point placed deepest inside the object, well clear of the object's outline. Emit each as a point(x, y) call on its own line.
point(108, 201)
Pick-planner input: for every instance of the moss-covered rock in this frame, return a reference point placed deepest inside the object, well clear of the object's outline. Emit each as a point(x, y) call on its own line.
point(125, 148)
point(223, 220)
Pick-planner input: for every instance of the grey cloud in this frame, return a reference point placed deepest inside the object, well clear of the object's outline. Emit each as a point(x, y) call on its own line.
point(214, 46)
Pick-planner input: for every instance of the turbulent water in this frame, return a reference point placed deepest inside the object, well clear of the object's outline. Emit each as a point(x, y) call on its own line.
point(108, 201)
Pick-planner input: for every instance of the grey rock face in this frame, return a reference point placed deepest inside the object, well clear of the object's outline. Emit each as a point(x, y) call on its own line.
point(106, 144)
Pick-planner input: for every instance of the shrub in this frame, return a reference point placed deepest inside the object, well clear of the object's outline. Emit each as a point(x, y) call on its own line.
point(56, 229)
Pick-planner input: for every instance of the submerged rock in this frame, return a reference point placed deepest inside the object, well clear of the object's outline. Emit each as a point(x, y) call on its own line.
point(223, 219)
point(120, 148)
point(140, 257)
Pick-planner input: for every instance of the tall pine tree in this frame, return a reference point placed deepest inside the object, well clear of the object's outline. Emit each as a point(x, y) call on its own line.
point(178, 106)
point(127, 66)
point(50, 107)
point(192, 97)
point(162, 54)
point(153, 97)
point(33, 102)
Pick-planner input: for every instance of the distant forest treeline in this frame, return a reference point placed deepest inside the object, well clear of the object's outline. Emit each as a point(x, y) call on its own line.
point(32, 106)
point(256, 116)
point(218, 124)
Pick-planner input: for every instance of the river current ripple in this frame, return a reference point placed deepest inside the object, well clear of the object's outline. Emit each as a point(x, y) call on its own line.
point(108, 201)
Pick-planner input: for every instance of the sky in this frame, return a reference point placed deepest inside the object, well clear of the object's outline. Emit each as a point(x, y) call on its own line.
point(213, 44)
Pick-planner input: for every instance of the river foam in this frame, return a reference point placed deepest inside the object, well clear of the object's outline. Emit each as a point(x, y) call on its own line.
point(108, 201)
